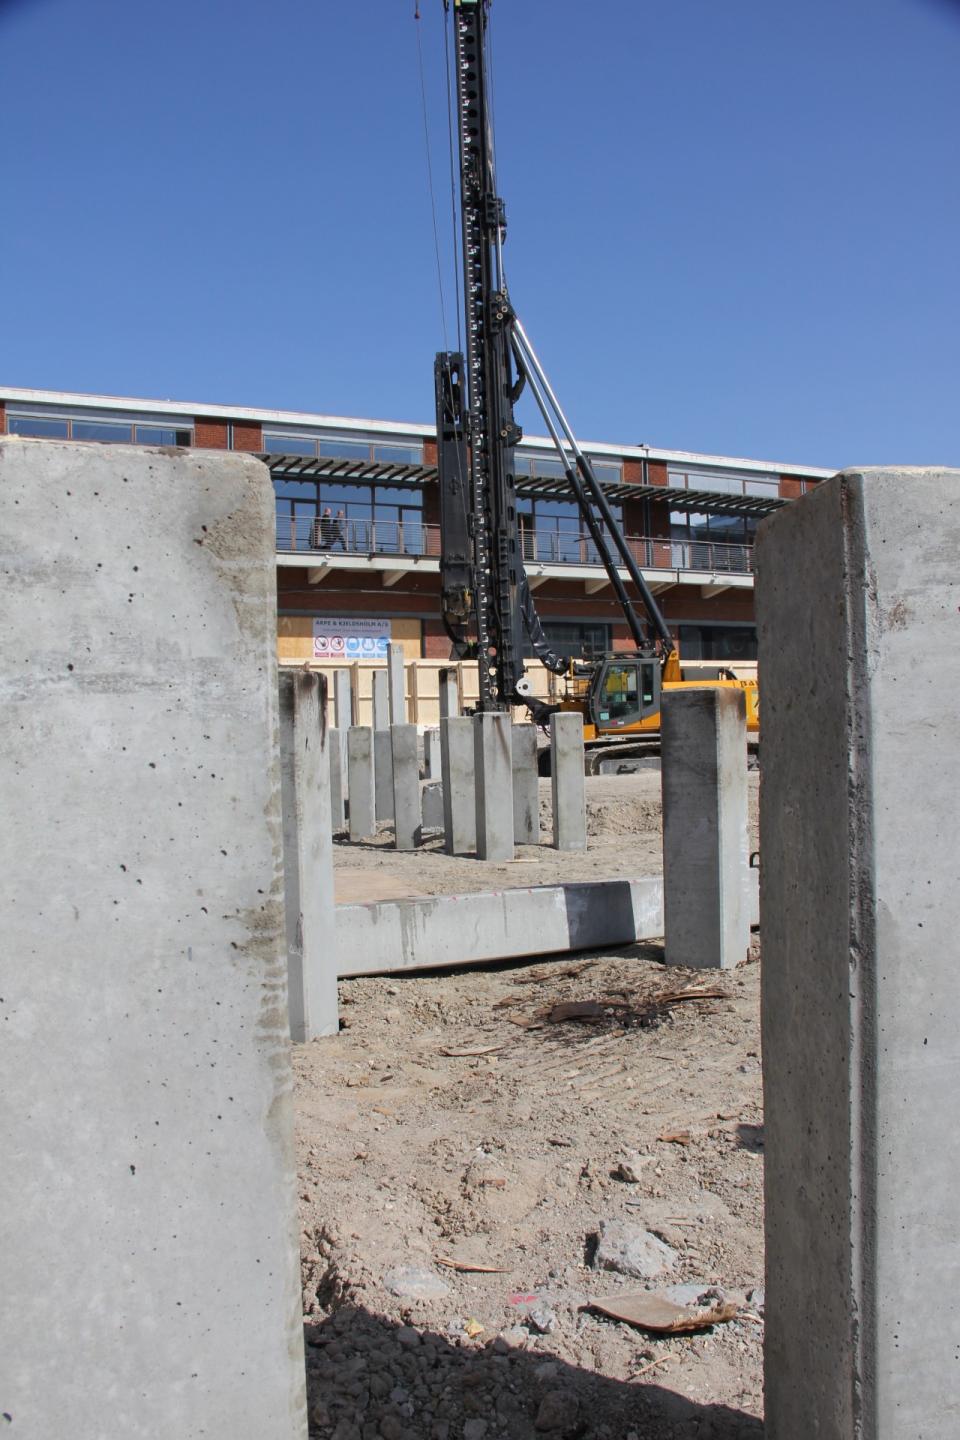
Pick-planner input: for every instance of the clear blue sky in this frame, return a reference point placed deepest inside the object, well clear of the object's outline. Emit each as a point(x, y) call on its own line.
point(734, 227)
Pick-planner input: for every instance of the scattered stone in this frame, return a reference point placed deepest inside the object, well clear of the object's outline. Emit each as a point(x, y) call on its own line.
point(415, 1282)
point(408, 1337)
point(541, 1319)
point(630, 1167)
point(474, 1429)
point(516, 1338)
point(558, 1410)
point(755, 1299)
point(694, 1293)
point(630, 1250)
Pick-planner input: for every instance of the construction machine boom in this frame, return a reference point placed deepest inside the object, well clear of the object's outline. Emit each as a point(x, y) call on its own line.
point(486, 602)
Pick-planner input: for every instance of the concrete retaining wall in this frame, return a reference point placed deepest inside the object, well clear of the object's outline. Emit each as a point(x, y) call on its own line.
point(151, 1268)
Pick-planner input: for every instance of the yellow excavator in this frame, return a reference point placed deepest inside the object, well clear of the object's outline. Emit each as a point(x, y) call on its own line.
point(486, 602)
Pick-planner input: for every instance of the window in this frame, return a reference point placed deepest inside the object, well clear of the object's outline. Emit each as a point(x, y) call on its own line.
point(718, 642)
point(337, 447)
point(548, 466)
point(109, 432)
point(554, 532)
point(37, 427)
point(712, 542)
point(567, 637)
point(724, 482)
point(352, 519)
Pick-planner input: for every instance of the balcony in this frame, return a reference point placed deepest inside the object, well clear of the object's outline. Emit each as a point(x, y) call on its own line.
point(331, 541)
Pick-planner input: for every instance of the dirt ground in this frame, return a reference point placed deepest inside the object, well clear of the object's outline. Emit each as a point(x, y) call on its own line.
point(461, 1120)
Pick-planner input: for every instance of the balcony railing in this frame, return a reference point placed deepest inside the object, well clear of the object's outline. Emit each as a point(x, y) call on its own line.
point(308, 535)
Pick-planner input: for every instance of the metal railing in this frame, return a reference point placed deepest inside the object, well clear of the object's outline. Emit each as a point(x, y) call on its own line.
point(310, 535)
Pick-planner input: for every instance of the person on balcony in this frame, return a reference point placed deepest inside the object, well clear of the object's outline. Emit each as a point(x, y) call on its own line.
point(339, 532)
point(320, 531)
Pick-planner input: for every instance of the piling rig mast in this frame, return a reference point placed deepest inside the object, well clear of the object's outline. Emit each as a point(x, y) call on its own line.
point(486, 601)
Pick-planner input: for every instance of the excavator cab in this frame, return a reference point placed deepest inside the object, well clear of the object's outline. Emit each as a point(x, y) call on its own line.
point(625, 691)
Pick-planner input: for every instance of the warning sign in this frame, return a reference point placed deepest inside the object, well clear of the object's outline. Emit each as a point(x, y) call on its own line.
point(340, 639)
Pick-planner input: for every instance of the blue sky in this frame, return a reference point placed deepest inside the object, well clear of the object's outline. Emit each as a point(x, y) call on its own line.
point(732, 227)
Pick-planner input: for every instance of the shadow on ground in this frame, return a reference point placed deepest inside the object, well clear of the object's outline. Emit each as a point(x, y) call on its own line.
point(370, 1379)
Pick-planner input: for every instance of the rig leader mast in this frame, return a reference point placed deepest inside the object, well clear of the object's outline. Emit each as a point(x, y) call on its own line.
point(486, 601)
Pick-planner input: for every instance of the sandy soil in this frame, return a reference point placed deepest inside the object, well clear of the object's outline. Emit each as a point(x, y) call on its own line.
point(453, 1121)
point(623, 840)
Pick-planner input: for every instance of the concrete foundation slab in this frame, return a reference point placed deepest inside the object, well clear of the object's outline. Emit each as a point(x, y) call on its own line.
point(568, 781)
point(705, 843)
point(406, 787)
point(526, 786)
point(861, 990)
point(459, 787)
point(363, 813)
point(307, 856)
point(493, 762)
point(495, 925)
point(151, 1267)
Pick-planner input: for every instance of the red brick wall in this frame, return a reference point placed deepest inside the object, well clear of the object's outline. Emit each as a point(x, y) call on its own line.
point(210, 434)
point(791, 488)
point(3, 418)
point(429, 452)
point(247, 436)
point(436, 641)
point(657, 472)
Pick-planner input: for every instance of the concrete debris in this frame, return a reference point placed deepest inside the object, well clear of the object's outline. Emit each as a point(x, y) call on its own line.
point(559, 1410)
point(630, 1250)
point(415, 1282)
point(630, 1167)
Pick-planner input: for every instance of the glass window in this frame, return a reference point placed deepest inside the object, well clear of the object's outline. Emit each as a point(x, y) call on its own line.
point(102, 430)
point(156, 435)
point(718, 642)
point(344, 450)
point(34, 425)
point(398, 454)
point(398, 495)
point(762, 487)
point(607, 471)
point(289, 445)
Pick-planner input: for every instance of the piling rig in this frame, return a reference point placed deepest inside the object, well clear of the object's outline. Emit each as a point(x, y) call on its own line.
point(486, 601)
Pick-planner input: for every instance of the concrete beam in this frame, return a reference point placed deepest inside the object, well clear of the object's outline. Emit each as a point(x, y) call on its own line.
point(703, 771)
point(390, 577)
point(342, 700)
point(307, 855)
point(316, 574)
point(406, 787)
point(446, 930)
point(383, 774)
point(449, 693)
point(363, 813)
point(397, 684)
point(535, 580)
point(593, 587)
point(526, 786)
point(492, 759)
point(568, 781)
point(459, 785)
point(860, 986)
point(710, 592)
point(338, 779)
point(148, 1163)
point(381, 700)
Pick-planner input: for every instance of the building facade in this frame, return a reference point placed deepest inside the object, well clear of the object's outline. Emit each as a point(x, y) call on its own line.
point(358, 535)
